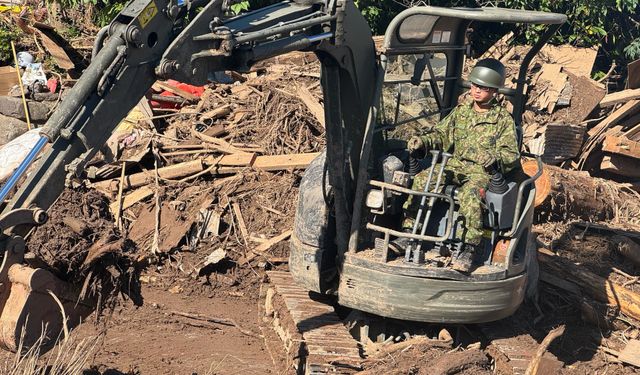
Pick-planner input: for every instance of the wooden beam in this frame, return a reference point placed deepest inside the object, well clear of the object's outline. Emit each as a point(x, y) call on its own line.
point(621, 165)
point(262, 248)
point(620, 97)
point(132, 198)
point(621, 146)
point(216, 113)
point(280, 162)
point(615, 117)
point(219, 144)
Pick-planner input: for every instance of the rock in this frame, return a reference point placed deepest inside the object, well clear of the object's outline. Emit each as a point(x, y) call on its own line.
point(215, 257)
point(13, 107)
point(10, 129)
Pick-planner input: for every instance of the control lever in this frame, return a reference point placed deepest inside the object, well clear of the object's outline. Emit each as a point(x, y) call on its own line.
point(423, 200)
point(418, 254)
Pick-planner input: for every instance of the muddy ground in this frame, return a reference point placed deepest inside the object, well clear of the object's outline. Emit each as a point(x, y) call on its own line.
point(194, 318)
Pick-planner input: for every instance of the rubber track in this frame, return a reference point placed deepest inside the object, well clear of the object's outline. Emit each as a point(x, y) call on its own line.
point(328, 345)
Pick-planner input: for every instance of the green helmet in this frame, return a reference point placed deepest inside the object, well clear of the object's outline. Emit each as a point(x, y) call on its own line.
point(488, 73)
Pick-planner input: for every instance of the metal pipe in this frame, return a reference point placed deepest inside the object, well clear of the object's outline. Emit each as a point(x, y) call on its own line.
point(97, 44)
point(423, 200)
point(280, 46)
point(445, 159)
point(250, 37)
point(22, 168)
point(434, 85)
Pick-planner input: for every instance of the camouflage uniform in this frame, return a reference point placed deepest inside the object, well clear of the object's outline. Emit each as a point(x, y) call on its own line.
point(468, 135)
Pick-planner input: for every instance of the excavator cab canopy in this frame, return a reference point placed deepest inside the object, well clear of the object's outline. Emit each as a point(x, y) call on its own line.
point(440, 36)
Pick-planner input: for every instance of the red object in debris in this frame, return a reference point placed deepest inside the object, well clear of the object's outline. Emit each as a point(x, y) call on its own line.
point(52, 84)
point(193, 90)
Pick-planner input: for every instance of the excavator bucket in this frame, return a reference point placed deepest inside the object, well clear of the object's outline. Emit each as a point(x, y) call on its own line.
point(36, 308)
point(35, 305)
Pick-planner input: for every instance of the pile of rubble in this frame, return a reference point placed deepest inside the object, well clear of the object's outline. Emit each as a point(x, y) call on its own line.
point(202, 178)
point(569, 118)
point(202, 182)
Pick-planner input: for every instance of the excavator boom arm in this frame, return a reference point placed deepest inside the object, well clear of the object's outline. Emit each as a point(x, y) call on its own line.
point(163, 39)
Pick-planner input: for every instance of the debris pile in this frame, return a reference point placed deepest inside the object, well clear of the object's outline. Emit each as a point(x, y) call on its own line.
point(195, 192)
point(79, 245)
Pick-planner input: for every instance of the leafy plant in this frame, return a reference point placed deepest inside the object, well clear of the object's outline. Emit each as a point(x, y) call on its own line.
point(7, 34)
point(239, 7)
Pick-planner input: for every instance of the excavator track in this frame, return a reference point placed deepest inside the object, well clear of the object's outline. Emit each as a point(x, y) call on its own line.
point(314, 337)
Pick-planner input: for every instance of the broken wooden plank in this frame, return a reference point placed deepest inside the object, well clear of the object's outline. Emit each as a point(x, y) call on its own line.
point(160, 86)
point(627, 109)
point(597, 287)
point(620, 165)
point(620, 97)
point(58, 54)
point(216, 113)
point(578, 61)
point(241, 223)
point(272, 163)
point(597, 131)
point(551, 73)
point(8, 79)
point(622, 146)
point(312, 104)
point(499, 48)
point(220, 144)
point(631, 353)
point(280, 162)
point(262, 248)
point(132, 198)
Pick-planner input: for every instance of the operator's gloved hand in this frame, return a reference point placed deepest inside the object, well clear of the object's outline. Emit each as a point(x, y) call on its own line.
point(416, 147)
point(487, 161)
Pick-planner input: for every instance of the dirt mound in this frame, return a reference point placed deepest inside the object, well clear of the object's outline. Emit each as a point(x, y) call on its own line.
point(80, 245)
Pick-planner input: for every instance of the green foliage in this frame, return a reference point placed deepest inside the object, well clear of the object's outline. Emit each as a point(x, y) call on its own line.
point(108, 13)
point(7, 34)
point(239, 7)
point(106, 10)
point(632, 51)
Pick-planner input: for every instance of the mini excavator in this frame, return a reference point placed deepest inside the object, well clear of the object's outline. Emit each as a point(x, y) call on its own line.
point(349, 209)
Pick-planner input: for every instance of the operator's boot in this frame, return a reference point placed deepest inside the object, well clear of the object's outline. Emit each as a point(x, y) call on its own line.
point(464, 260)
point(401, 244)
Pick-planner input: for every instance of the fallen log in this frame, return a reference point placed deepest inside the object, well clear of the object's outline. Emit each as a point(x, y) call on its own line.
point(595, 286)
point(577, 195)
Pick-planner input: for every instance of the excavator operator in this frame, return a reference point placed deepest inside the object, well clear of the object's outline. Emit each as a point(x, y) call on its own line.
point(481, 135)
